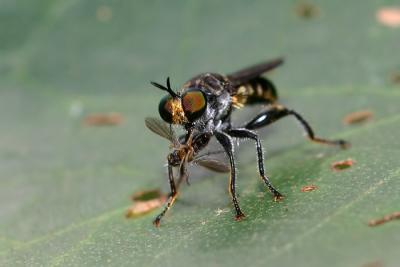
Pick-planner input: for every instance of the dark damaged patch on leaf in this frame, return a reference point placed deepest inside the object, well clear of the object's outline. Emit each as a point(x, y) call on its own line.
point(146, 195)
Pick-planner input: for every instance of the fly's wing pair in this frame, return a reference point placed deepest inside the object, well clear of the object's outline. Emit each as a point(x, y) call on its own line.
point(246, 75)
point(162, 129)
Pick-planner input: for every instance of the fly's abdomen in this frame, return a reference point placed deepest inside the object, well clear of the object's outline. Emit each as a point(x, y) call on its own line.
point(256, 91)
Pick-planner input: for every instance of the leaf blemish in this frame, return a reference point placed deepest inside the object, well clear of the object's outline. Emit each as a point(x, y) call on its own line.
point(389, 16)
point(107, 119)
point(384, 219)
point(342, 165)
point(309, 188)
point(104, 13)
point(145, 202)
point(146, 195)
point(373, 264)
point(307, 10)
point(395, 77)
point(358, 117)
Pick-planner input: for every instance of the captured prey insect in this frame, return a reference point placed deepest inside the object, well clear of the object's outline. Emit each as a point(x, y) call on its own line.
point(203, 107)
point(185, 153)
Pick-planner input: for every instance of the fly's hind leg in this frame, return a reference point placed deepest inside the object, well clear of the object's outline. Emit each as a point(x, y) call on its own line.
point(277, 112)
point(245, 133)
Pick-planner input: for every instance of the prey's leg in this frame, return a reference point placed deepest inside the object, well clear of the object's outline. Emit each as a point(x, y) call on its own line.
point(172, 197)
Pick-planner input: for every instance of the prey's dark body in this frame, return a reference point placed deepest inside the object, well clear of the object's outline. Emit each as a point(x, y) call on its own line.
point(222, 95)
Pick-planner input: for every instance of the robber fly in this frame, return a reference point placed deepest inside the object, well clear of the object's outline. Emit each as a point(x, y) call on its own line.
point(203, 107)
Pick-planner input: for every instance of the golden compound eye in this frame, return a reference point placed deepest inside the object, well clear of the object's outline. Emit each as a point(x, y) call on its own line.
point(165, 109)
point(194, 104)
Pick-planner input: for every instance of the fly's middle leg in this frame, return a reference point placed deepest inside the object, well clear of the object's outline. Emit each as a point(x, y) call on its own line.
point(226, 143)
point(245, 133)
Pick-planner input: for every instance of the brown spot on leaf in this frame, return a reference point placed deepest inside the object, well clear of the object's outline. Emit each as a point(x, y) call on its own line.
point(104, 13)
point(106, 119)
point(307, 10)
point(373, 264)
point(145, 202)
point(358, 117)
point(342, 165)
point(385, 219)
point(389, 16)
point(395, 77)
point(309, 188)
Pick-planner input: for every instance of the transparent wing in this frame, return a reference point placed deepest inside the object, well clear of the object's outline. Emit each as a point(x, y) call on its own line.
point(160, 128)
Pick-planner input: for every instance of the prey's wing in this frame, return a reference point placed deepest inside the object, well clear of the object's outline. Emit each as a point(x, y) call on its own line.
point(245, 75)
point(160, 128)
point(212, 164)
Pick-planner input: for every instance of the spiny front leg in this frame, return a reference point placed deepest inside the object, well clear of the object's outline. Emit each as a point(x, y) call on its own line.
point(244, 133)
point(226, 143)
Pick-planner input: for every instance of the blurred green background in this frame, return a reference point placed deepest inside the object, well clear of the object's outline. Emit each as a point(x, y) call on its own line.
point(64, 186)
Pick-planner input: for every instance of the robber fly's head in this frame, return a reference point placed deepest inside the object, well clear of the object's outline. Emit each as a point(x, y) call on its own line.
point(181, 109)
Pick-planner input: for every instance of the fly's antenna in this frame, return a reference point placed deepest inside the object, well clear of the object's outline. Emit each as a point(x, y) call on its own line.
point(168, 88)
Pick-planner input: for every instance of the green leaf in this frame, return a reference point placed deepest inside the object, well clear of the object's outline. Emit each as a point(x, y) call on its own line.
point(64, 186)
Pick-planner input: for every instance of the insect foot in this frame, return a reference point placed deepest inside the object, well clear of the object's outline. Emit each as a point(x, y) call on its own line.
point(344, 144)
point(239, 216)
point(156, 222)
point(278, 197)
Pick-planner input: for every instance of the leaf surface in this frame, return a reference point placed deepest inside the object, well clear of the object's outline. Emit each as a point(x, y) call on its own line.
point(64, 186)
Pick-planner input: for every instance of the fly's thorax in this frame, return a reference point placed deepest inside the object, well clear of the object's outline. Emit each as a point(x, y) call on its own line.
point(210, 83)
